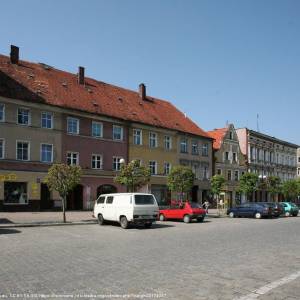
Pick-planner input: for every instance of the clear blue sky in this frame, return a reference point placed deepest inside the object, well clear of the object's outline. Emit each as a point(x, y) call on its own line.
point(217, 61)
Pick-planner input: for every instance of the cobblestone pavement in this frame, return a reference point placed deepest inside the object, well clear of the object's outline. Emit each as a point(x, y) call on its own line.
point(221, 258)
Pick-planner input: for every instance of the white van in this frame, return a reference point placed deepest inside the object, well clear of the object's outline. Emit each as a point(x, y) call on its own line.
point(126, 208)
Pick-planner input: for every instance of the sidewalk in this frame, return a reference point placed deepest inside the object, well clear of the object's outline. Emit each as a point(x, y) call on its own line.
point(27, 219)
point(30, 219)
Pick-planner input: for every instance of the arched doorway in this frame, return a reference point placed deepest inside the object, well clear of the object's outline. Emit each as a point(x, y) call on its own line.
point(106, 189)
point(75, 198)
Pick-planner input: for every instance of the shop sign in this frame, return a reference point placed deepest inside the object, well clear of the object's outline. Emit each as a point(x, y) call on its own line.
point(34, 189)
point(8, 177)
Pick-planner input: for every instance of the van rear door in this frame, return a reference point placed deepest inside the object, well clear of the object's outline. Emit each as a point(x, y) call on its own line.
point(145, 206)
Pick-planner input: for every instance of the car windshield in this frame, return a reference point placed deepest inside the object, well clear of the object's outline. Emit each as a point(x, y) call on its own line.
point(195, 205)
point(294, 205)
point(144, 200)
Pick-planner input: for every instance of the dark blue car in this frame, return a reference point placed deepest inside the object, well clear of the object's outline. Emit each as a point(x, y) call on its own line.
point(256, 210)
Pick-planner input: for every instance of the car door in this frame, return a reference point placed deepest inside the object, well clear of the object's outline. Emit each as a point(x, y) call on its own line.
point(108, 211)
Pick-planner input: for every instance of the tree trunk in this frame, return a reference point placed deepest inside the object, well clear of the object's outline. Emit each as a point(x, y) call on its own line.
point(64, 208)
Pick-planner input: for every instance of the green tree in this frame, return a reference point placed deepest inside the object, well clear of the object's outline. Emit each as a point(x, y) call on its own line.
point(273, 185)
point(181, 180)
point(217, 184)
point(248, 183)
point(133, 175)
point(63, 178)
point(290, 189)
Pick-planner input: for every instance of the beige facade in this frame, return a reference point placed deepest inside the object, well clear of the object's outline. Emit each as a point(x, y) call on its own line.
point(230, 163)
point(196, 152)
point(24, 170)
point(267, 156)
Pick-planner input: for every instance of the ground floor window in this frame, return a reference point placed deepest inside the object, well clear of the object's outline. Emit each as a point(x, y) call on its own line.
point(15, 193)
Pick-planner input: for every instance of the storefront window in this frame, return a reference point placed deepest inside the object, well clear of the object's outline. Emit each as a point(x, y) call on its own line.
point(15, 193)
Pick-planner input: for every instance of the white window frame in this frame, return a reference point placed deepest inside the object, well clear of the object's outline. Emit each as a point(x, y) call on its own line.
point(238, 173)
point(29, 116)
point(78, 125)
point(170, 166)
point(205, 146)
point(77, 162)
point(194, 142)
point(170, 142)
point(155, 167)
point(184, 141)
point(101, 161)
point(101, 133)
point(230, 175)
point(155, 139)
point(122, 133)
point(3, 119)
point(51, 114)
point(41, 153)
point(119, 158)
point(3, 148)
point(135, 135)
point(22, 141)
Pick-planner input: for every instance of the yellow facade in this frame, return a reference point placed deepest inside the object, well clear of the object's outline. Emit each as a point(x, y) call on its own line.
point(145, 153)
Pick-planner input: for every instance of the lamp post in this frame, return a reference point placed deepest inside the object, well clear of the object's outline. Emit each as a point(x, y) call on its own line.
point(262, 178)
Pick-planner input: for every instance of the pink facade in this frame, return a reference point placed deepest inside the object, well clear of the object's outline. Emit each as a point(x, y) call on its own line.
point(94, 181)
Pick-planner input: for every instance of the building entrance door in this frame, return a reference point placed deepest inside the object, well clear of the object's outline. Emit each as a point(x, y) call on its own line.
point(75, 198)
point(46, 202)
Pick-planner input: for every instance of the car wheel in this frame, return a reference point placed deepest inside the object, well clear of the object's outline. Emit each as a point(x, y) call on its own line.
point(100, 219)
point(186, 219)
point(148, 225)
point(124, 222)
point(231, 214)
point(201, 219)
point(162, 217)
point(287, 214)
point(258, 215)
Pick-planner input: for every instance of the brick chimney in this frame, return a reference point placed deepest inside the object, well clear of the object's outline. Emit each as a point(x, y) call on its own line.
point(81, 75)
point(142, 91)
point(14, 54)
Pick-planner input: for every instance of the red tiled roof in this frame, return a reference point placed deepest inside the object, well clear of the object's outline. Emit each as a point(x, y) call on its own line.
point(38, 83)
point(218, 136)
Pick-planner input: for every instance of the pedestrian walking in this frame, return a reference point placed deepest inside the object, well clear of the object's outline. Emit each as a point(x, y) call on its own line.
point(206, 205)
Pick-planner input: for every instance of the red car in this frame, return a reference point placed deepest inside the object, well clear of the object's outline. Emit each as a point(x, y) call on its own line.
point(184, 211)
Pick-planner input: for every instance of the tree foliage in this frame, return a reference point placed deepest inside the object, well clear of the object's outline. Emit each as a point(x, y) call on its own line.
point(181, 179)
point(217, 184)
point(274, 185)
point(63, 178)
point(248, 183)
point(291, 189)
point(133, 175)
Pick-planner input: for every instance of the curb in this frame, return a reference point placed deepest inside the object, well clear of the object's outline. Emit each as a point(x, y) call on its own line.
point(46, 224)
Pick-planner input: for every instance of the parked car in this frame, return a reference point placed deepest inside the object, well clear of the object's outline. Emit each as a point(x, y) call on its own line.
point(277, 209)
point(256, 210)
point(290, 209)
point(183, 211)
point(126, 208)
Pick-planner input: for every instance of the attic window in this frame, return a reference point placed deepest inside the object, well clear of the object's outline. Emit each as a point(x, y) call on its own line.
point(31, 75)
point(140, 103)
point(120, 99)
point(95, 104)
point(89, 90)
point(64, 84)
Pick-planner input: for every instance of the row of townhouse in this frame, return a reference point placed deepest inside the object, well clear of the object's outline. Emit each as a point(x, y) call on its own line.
point(237, 151)
point(51, 116)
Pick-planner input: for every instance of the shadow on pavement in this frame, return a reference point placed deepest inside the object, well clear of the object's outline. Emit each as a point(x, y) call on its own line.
point(5, 221)
point(8, 231)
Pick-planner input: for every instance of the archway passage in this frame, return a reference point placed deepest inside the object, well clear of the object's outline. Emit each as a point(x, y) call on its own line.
point(75, 198)
point(106, 189)
point(46, 202)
